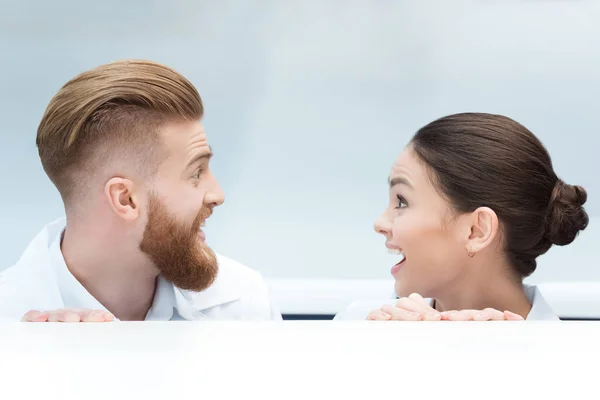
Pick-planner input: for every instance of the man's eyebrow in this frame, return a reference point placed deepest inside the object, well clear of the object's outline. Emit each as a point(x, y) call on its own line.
point(200, 157)
point(399, 181)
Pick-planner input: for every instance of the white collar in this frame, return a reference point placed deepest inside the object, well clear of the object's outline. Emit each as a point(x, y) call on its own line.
point(73, 294)
point(540, 309)
point(226, 288)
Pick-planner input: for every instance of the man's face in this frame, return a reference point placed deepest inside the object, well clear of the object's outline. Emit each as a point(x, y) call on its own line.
point(184, 195)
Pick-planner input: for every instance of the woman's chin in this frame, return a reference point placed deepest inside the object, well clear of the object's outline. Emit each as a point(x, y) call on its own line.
point(401, 289)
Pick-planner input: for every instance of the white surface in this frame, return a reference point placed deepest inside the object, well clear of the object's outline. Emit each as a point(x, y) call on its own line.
point(299, 360)
point(307, 105)
point(573, 299)
point(328, 297)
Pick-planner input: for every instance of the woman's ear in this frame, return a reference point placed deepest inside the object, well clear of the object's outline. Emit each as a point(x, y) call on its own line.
point(483, 230)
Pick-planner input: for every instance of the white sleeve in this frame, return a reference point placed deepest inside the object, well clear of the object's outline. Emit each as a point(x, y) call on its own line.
point(274, 312)
point(13, 296)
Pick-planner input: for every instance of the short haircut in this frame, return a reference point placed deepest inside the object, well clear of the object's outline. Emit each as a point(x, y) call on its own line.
point(112, 114)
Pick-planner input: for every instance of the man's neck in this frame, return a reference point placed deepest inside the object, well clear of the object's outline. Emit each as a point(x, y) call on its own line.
point(120, 279)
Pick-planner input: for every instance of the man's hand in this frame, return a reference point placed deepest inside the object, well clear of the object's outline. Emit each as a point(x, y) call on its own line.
point(68, 315)
point(411, 308)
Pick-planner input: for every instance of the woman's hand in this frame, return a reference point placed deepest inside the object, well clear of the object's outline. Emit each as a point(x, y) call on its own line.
point(415, 308)
point(411, 308)
point(488, 314)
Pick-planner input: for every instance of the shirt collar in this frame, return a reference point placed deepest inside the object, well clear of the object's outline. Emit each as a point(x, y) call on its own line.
point(540, 309)
point(226, 288)
point(171, 302)
point(163, 303)
point(73, 294)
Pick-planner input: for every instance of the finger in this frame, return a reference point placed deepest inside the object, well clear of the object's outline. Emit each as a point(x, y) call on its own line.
point(400, 314)
point(96, 316)
point(92, 316)
point(489, 314)
point(417, 298)
point(431, 316)
point(34, 316)
point(89, 315)
point(462, 315)
point(378, 315)
point(108, 317)
point(511, 316)
point(446, 313)
point(63, 316)
point(409, 305)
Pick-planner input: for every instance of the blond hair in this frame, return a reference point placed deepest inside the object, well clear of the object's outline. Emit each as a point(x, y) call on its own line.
point(111, 111)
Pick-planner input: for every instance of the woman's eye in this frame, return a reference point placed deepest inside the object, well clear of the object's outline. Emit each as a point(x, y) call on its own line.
point(401, 202)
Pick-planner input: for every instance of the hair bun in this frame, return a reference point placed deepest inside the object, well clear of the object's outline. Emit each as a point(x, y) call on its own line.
point(566, 215)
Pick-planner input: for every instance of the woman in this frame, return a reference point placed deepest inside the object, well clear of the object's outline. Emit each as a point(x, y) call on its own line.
point(473, 202)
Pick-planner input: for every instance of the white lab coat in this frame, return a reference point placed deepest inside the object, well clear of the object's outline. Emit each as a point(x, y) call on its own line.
point(540, 310)
point(41, 281)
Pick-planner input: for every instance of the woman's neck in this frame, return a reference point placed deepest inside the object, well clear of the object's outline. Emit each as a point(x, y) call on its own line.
point(493, 288)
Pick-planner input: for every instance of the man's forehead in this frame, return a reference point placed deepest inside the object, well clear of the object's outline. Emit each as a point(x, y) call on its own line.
point(185, 138)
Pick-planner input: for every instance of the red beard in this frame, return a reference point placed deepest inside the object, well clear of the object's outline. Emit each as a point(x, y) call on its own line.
point(176, 249)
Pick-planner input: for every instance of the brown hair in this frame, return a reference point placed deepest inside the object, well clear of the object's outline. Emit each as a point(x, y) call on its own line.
point(490, 160)
point(113, 111)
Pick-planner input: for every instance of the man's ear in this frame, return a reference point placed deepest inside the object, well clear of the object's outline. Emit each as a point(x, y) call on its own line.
point(122, 198)
point(483, 228)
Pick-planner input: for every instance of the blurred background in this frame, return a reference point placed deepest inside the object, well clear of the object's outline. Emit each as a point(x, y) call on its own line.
point(307, 105)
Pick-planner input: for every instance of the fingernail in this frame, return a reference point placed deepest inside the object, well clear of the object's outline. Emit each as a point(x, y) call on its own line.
point(515, 315)
point(433, 315)
point(71, 317)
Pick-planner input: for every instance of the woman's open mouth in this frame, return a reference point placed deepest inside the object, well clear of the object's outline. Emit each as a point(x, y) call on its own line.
point(398, 265)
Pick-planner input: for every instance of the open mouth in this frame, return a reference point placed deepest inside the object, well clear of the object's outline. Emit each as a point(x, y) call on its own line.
point(397, 266)
point(201, 233)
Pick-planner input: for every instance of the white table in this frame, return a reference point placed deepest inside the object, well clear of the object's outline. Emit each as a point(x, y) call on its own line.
point(303, 360)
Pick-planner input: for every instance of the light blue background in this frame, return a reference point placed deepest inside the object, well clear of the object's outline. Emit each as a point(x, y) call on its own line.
point(308, 103)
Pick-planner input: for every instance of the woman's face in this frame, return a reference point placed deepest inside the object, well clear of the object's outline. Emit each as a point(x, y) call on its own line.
point(421, 226)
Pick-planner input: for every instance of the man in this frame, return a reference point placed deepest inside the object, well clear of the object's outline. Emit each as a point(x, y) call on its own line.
point(124, 145)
